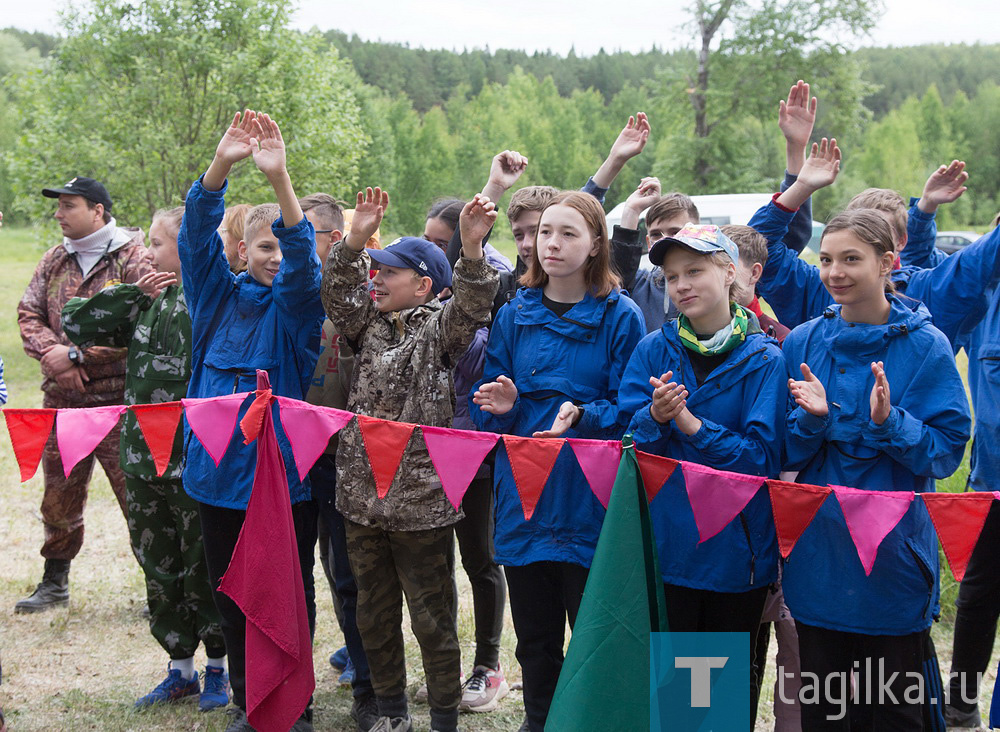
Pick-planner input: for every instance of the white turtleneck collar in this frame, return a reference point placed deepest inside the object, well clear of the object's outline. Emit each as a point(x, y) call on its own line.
point(91, 248)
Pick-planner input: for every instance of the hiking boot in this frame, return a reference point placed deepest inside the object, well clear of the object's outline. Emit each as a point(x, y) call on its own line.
point(216, 691)
point(173, 688)
point(484, 690)
point(52, 591)
point(963, 720)
point(364, 711)
point(302, 725)
point(523, 728)
point(347, 677)
point(393, 724)
point(340, 658)
point(239, 722)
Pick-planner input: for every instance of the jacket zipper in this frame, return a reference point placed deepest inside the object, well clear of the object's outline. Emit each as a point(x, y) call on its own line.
point(753, 554)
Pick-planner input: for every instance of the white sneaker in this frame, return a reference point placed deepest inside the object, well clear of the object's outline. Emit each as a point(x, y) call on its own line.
point(484, 690)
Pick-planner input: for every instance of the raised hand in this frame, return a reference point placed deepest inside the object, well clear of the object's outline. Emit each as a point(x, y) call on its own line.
point(945, 185)
point(506, 168)
point(268, 146)
point(368, 212)
point(567, 415)
point(822, 166)
point(235, 143)
point(496, 397)
point(880, 394)
point(475, 221)
point(645, 195)
point(669, 398)
point(632, 139)
point(152, 284)
point(796, 118)
point(810, 394)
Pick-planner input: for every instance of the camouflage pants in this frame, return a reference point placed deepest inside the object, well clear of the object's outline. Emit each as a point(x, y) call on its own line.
point(166, 539)
point(388, 565)
point(65, 498)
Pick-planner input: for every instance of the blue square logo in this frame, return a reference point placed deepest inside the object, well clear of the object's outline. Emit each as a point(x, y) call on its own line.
point(700, 682)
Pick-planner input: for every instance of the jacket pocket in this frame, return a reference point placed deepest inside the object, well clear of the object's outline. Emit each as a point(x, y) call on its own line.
point(925, 570)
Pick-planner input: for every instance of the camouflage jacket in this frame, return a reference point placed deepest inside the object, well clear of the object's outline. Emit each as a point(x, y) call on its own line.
point(403, 372)
point(57, 278)
point(157, 334)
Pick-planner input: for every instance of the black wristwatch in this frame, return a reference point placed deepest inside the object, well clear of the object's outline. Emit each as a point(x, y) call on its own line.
point(75, 356)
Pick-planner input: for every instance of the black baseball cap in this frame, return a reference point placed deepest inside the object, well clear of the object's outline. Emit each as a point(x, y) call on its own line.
point(420, 255)
point(92, 190)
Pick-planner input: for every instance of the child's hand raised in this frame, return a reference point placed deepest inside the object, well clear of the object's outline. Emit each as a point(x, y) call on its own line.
point(506, 168)
point(945, 185)
point(268, 146)
point(235, 143)
point(152, 284)
point(475, 221)
point(880, 394)
point(669, 398)
point(368, 212)
point(796, 118)
point(810, 394)
point(632, 139)
point(823, 165)
point(496, 397)
point(568, 414)
point(644, 196)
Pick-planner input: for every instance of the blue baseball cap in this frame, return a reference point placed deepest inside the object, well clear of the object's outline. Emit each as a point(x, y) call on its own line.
point(420, 255)
point(702, 238)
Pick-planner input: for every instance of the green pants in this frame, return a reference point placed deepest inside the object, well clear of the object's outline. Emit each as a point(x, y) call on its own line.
point(166, 538)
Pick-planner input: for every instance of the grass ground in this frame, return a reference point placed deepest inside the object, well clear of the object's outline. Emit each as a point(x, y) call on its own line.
point(81, 668)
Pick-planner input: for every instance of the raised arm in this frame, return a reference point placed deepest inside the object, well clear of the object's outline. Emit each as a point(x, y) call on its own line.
point(268, 150)
point(796, 118)
point(235, 145)
point(629, 143)
point(945, 185)
point(626, 243)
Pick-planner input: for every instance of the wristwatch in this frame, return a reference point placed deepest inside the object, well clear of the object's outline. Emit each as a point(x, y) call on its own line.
point(75, 355)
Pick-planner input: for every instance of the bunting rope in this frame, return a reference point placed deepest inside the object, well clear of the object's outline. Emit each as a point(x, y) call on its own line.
point(716, 496)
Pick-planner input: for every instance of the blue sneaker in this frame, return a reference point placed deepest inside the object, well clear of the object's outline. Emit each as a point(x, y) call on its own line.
point(340, 658)
point(173, 688)
point(347, 677)
point(216, 691)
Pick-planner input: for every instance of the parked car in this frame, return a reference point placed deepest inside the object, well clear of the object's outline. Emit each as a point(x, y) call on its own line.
point(950, 242)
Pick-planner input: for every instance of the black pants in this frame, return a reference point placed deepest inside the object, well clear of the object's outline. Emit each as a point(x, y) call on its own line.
point(323, 478)
point(489, 590)
point(978, 607)
point(826, 702)
point(543, 595)
point(220, 528)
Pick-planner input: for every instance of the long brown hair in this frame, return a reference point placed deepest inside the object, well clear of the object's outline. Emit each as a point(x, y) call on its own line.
point(598, 275)
point(869, 226)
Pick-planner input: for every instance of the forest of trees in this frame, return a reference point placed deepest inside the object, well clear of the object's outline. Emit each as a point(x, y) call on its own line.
point(138, 95)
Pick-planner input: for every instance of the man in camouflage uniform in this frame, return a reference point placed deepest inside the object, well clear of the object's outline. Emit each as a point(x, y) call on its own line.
point(94, 252)
point(402, 543)
point(151, 319)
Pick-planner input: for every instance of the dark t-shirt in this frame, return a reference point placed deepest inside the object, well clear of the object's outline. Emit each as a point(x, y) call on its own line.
point(702, 364)
point(559, 308)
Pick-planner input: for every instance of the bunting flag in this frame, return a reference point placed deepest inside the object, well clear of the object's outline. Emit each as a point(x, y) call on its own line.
point(655, 471)
point(253, 419)
point(531, 461)
point(158, 423)
point(717, 496)
point(29, 430)
point(794, 506)
point(870, 516)
point(309, 429)
point(388, 441)
point(213, 420)
point(598, 460)
point(264, 579)
point(959, 520)
point(79, 431)
point(457, 455)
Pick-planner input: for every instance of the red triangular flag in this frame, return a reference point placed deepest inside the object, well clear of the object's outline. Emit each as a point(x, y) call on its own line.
point(158, 423)
point(870, 516)
point(959, 519)
point(29, 430)
point(794, 505)
point(655, 472)
point(309, 429)
point(213, 419)
point(253, 418)
point(531, 461)
point(457, 455)
point(389, 440)
point(598, 460)
point(717, 496)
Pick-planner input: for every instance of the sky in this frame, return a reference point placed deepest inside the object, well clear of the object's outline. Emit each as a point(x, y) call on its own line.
point(586, 25)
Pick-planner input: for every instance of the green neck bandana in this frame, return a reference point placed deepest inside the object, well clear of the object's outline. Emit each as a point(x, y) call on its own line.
point(722, 342)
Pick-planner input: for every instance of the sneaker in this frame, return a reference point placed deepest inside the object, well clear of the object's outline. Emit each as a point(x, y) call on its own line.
point(173, 688)
point(962, 720)
point(216, 691)
point(340, 658)
point(347, 677)
point(238, 721)
point(364, 711)
point(393, 724)
point(484, 690)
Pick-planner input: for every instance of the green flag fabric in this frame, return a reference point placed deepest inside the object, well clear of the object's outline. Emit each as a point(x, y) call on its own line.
point(604, 683)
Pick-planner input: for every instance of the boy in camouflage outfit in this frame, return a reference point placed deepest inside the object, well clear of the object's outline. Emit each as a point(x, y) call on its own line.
point(151, 319)
point(407, 343)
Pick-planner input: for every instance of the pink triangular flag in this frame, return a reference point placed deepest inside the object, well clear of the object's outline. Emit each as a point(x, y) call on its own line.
point(457, 455)
point(598, 460)
point(213, 419)
point(716, 496)
point(870, 516)
point(309, 429)
point(79, 431)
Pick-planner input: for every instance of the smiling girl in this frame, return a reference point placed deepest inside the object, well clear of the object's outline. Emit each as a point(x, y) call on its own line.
point(553, 364)
point(878, 405)
point(709, 388)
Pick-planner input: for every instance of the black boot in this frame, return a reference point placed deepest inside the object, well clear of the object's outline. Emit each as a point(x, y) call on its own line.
point(52, 591)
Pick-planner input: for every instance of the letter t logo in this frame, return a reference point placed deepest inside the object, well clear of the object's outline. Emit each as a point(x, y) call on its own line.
point(701, 676)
